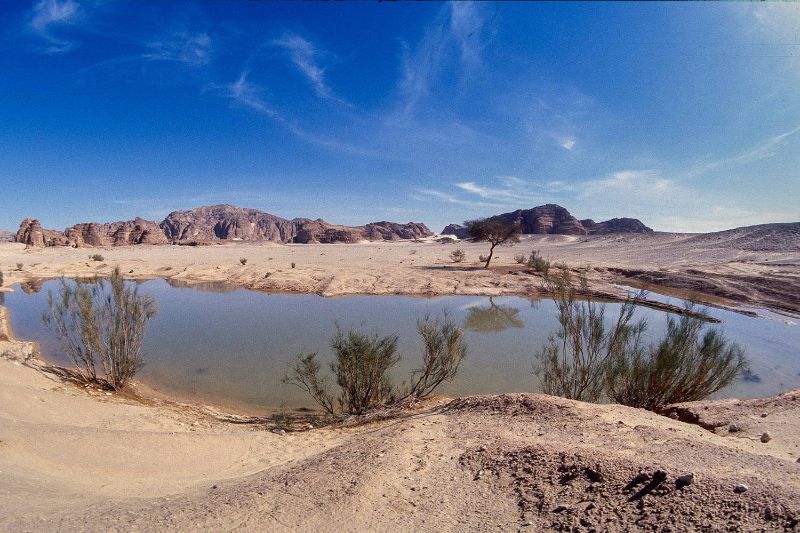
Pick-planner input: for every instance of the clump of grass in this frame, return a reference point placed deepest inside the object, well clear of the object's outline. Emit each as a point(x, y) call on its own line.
point(538, 263)
point(519, 259)
point(457, 255)
point(19, 267)
point(483, 258)
point(97, 257)
point(243, 260)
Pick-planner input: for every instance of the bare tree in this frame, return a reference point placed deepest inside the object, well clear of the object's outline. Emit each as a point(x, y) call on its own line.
point(101, 327)
point(493, 231)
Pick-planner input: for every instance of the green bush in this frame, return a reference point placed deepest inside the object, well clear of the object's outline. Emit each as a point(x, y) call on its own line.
point(363, 362)
point(586, 360)
point(538, 263)
point(101, 327)
point(457, 255)
point(575, 361)
point(687, 364)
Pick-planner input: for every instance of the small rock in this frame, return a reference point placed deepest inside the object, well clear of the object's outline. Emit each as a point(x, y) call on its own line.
point(593, 475)
point(584, 522)
point(479, 475)
point(740, 488)
point(685, 480)
point(768, 514)
point(763, 415)
point(734, 428)
point(766, 437)
point(482, 448)
point(560, 508)
point(279, 431)
point(659, 475)
point(527, 523)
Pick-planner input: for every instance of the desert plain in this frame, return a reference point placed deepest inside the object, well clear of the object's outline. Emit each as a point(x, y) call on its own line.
point(77, 458)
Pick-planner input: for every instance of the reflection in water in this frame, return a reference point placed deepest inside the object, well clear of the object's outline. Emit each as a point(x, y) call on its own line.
point(203, 286)
point(32, 287)
point(492, 319)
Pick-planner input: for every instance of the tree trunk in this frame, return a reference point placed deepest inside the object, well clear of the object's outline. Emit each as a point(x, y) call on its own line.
point(491, 251)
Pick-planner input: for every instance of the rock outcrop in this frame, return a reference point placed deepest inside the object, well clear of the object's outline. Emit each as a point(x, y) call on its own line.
point(213, 224)
point(31, 233)
point(548, 218)
point(226, 222)
point(615, 225)
point(554, 219)
point(138, 231)
point(457, 230)
point(392, 231)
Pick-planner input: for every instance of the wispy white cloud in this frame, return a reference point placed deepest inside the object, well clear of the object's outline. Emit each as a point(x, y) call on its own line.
point(629, 182)
point(182, 47)
point(248, 94)
point(567, 143)
point(768, 148)
point(306, 58)
point(49, 15)
point(456, 40)
point(439, 196)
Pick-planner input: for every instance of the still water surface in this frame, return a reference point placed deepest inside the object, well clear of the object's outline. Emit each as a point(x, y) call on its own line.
point(232, 347)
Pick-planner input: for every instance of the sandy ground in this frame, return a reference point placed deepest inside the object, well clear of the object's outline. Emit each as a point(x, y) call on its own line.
point(732, 273)
point(74, 458)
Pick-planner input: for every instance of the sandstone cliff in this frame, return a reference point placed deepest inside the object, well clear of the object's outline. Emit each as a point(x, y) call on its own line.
point(554, 219)
point(213, 224)
point(226, 222)
point(31, 233)
point(138, 231)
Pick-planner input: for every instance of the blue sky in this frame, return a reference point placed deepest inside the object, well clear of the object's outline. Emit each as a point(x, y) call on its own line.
point(684, 115)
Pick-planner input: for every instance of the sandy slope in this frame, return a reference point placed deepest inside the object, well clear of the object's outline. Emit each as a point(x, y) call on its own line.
point(73, 461)
point(742, 269)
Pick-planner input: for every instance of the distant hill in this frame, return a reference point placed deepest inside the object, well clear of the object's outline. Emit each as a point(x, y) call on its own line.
point(554, 219)
point(6, 236)
point(778, 237)
point(217, 223)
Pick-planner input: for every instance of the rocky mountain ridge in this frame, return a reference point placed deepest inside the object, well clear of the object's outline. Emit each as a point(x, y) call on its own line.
point(218, 223)
point(554, 219)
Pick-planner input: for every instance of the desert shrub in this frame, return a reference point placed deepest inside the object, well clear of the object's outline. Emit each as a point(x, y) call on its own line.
point(575, 361)
point(458, 255)
point(443, 351)
point(1, 278)
point(687, 364)
point(243, 260)
point(493, 231)
point(519, 259)
point(19, 266)
point(96, 257)
point(483, 258)
point(293, 265)
point(101, 327)
point(538, 263)
point(362, 364)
